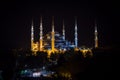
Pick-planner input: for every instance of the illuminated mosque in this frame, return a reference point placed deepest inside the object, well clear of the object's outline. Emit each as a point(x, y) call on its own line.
point(55, 42)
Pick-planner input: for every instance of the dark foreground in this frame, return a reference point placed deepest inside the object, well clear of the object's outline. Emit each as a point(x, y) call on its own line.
point(69, 66)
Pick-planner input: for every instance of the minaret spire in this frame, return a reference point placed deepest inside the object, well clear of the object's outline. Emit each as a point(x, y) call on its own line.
point(53, 36)
point(96, 36)
point(41, 34)
point(32, 36)
point(76, 39)
point(63, 31)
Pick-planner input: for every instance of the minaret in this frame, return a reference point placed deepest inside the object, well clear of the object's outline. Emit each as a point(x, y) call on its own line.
point(53, 36)
point(41, 34)
point(96, 36)
point(76, 40)
point(63, 31)
point(32, 36)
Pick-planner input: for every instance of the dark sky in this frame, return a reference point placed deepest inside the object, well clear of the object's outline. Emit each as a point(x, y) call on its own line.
point(16, 18)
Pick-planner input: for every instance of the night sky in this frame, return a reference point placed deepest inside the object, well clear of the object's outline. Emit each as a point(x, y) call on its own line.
point(16, 18)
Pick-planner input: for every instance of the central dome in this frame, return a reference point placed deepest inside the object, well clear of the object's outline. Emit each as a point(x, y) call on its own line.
point(60, 42)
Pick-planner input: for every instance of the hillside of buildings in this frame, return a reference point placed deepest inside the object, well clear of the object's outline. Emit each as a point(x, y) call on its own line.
point(70, 65)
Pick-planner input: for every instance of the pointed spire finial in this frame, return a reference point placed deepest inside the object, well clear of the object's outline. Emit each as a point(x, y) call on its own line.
point(52, 23)
point(76, 40)
point(96, 35)
point(32, 36)
point(53, 36)
point(63, 31)
point(41, 34)
point(32, 31)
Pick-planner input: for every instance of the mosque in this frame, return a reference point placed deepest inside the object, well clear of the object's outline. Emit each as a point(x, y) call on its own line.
point(54, 41)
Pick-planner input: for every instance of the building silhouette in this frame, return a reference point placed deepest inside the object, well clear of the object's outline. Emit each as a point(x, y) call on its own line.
point(55, 42)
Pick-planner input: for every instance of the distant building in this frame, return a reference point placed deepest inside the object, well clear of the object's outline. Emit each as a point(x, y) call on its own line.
point(54, 41)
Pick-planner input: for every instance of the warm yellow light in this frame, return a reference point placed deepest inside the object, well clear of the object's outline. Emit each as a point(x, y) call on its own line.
point(86, 51)
point(53, 43)
point(41, 45)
